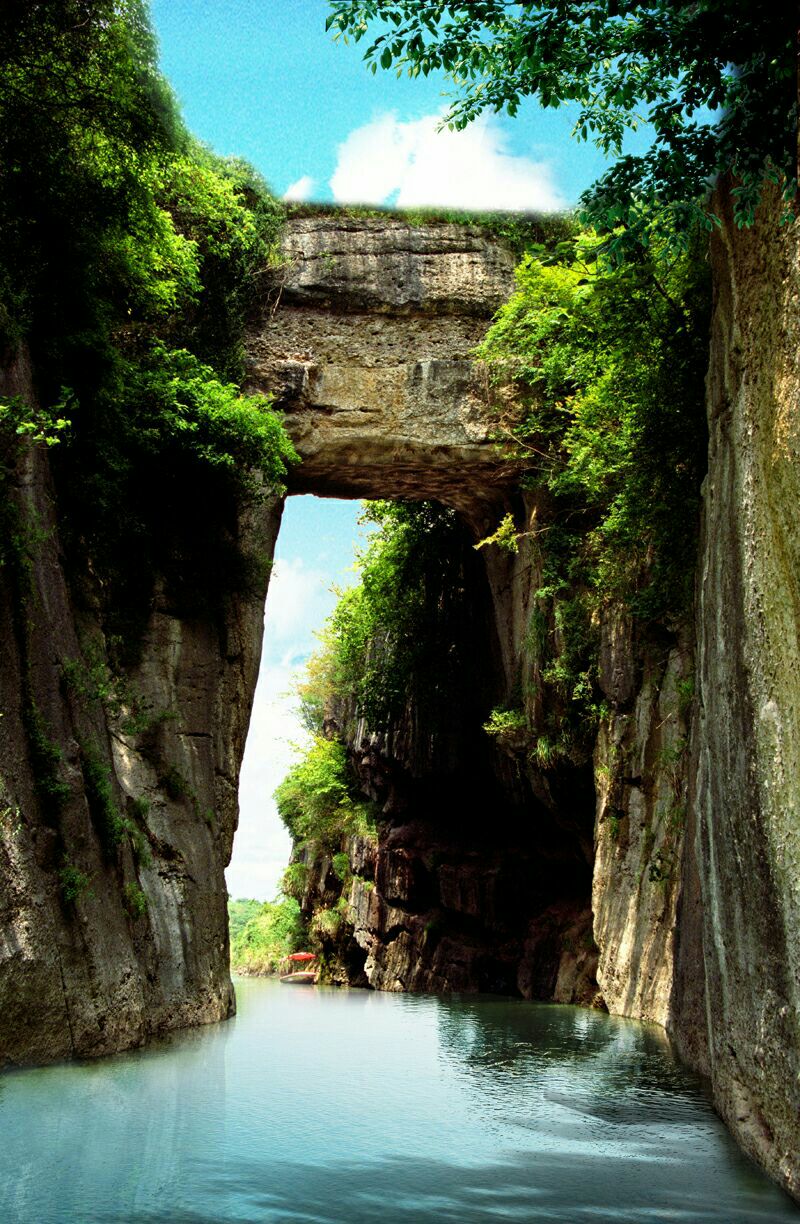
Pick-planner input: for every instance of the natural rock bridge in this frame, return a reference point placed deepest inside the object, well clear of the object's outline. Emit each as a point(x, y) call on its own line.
point(369, 352)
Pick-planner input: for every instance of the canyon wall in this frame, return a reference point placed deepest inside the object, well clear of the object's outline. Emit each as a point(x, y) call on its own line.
point(693, 894)
point(483, 872)
point(481, 876)
point(736, 1011)
point(118, 792)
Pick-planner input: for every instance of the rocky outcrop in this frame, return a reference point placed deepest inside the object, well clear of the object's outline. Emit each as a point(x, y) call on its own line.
point(737, 999)
point(118, 796)
point(369, 355)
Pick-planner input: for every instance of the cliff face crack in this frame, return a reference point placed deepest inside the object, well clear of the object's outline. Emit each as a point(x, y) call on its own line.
point(67, 1014)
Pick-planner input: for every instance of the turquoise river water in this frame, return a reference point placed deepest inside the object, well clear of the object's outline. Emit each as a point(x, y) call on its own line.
point(322, 1105)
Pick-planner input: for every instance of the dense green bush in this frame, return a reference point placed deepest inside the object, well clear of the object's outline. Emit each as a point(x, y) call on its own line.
point(130, 257)
point(318, 799)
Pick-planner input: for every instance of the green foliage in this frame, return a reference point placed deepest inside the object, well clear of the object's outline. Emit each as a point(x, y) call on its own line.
point(317, 800)
point(209, 421)
point(46, 759)
point(611, 365)
point(240, 911)
point(263, 935)
point(506, 536)
point(109, 824)
point(326, 923)
point(135, 900)
point(502, 722)
point(684, 690)
point(175, 784)
point(130, 258)
point(341, 865)
point(608, 364)
point(73, 882)
point(714, 80)
point(21, 420)
point(393, 639)
point(295, 878)
point(90, 678)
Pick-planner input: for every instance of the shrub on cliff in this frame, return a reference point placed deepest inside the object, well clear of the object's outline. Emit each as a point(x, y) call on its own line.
point(318, 799)
point(394, 638)
point(607, 365)
point(129, 259)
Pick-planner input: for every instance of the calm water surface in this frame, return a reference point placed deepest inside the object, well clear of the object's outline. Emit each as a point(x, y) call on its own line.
point(324, 1105)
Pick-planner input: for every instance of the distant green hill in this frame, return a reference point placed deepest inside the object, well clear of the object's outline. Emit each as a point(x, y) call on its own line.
point(263, 933)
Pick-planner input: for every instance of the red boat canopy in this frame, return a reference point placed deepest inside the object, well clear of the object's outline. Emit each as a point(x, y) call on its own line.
point(302, 956)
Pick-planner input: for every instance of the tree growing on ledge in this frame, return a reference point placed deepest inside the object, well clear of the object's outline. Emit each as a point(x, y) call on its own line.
point(714, 79)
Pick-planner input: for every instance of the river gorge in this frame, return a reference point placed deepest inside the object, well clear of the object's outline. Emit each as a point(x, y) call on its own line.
point(324, 1105)
point(365, 345)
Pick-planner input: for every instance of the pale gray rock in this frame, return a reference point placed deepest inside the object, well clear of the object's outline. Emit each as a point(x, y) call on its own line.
point(737, 1007)
point(369, 354)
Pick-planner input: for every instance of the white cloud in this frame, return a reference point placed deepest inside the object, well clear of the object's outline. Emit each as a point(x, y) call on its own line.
point(262, 845)
point(301, 189)
point(297, 603)
point(413, 165)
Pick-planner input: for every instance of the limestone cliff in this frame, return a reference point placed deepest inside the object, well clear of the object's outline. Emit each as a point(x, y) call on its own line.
point(118, 795)
point(660, 865)
point(370, 353)
point(693, 873)
point(736, 1012)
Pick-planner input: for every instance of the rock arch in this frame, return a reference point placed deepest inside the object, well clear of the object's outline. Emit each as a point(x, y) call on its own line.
point(368, 350)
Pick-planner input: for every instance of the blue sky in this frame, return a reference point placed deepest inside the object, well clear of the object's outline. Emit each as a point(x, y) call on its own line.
point(261, 79)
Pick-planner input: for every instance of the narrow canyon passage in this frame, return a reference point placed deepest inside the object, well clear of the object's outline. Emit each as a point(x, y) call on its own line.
point(547, 785)
point(502, 852)
point(314, 552)
point(471, 878)
point(354, 1107)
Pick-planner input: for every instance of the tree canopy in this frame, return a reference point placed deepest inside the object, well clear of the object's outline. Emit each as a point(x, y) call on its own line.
point(714, 79)
point(130, 259)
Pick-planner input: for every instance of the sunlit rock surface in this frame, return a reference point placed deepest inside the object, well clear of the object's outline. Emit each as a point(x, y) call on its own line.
point(367, 347)
point(738, 1006)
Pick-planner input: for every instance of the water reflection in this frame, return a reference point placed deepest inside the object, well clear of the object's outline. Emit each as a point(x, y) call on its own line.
point(80, 1139)
point(337, 1106)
